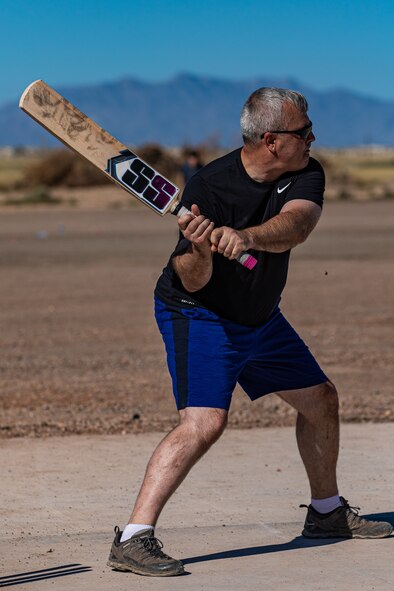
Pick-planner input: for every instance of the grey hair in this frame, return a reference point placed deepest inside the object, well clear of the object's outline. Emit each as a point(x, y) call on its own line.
point(263, 111)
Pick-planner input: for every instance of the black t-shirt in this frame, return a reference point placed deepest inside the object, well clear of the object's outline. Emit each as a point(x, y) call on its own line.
point(228, 196)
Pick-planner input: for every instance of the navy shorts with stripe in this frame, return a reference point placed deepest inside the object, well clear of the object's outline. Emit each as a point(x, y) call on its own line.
point(207, 356)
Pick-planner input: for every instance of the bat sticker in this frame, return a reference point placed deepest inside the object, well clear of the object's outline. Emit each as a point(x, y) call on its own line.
point(137, 176)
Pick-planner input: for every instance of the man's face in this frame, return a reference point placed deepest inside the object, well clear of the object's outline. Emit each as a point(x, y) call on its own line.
point(292, 150)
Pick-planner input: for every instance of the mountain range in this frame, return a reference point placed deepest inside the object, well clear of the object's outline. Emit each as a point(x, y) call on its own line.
point(191, 109)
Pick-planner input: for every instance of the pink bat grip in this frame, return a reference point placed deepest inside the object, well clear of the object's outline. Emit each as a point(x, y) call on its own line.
point(244, 258)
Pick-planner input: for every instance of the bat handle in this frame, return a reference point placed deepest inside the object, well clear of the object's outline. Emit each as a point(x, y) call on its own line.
point(245, 259)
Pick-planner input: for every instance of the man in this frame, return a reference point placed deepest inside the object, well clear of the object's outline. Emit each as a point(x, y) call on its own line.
point(221, 323)
point(191, 165)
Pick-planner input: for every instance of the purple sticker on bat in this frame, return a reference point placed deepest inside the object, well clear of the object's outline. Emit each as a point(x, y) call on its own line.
point(163, 185)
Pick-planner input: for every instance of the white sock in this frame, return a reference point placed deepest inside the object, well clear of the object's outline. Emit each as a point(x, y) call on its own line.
point(133, 528)
point(326, 505)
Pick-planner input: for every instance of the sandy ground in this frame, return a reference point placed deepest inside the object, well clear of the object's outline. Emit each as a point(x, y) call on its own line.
point(235, 521)
point(80, 349)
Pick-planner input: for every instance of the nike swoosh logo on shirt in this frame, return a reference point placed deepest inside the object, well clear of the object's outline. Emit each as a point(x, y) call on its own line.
point(283, 188)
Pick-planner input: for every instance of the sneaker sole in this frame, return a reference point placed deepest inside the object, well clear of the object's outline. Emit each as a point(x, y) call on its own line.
point(307, 534)
point(134, 569)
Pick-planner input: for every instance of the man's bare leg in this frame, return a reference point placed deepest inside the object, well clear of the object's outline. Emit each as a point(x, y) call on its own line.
point(171, 461)
point(318, 442)
point(317, 435)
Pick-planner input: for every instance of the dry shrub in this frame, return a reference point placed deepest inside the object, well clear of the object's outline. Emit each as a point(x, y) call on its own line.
point(63, 167)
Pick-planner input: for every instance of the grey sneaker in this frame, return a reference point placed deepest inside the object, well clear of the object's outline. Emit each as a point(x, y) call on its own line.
point(343, 522)
point(141, 554)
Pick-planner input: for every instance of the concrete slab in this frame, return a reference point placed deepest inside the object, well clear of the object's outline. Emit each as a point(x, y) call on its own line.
point(235, 522)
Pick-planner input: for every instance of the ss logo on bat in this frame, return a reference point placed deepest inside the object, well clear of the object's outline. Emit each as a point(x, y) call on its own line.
point(143, 180)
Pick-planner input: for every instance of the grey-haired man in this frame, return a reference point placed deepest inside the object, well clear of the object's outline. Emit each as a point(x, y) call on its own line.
point(222, 325)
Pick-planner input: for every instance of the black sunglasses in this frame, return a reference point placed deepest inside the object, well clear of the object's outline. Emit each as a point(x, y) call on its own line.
point(303, 133)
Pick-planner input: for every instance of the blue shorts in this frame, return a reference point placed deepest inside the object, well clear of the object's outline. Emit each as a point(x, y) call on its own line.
point(207, 356)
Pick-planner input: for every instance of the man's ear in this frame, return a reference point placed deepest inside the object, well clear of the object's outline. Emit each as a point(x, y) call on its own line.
point(269, 140)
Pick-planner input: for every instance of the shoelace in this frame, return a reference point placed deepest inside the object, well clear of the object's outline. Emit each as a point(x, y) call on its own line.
point(353, 511)
point(346, 505)
point(154, 546)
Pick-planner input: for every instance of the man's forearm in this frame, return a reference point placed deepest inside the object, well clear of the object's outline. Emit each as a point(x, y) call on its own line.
point(280, 233)
point(193, 267)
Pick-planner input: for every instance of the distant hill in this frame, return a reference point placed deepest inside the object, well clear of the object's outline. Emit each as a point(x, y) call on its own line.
point(190, 109)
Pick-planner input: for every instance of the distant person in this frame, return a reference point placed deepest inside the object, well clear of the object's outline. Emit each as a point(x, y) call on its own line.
point(191, 165)
point(222, 324)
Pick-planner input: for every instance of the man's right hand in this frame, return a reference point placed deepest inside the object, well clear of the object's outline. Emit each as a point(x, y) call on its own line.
point(194, 266)
point(197, 229)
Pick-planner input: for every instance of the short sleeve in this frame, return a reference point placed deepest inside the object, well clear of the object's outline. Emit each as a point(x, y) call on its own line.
point(309, 184)
point(197, 192)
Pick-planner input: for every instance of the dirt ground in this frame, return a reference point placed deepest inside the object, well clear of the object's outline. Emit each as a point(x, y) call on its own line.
point(80, 349)
point(235, 522)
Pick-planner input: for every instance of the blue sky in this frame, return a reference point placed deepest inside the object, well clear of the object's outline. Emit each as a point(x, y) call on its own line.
point(323, 44)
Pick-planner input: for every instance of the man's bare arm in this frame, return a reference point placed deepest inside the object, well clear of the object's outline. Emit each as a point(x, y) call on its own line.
point(194, 266)
point(289, 228)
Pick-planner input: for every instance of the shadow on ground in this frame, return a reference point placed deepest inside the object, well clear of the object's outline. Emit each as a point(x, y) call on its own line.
point(389, 516)
point(41, 575)
point(295, 544)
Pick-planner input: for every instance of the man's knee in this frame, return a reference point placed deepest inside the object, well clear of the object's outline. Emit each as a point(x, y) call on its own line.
point(204, 424)
point(325, 399)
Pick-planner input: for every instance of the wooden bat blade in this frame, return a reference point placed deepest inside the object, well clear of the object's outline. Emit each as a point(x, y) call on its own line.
point(83, 135)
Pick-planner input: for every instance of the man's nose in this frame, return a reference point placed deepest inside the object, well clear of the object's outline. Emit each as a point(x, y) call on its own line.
point(311, 138)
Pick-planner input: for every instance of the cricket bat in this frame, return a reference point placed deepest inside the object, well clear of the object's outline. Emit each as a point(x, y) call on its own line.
point(80, 133)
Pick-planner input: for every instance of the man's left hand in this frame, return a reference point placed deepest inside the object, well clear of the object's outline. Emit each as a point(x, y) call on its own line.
point(229, 242)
